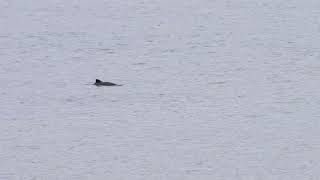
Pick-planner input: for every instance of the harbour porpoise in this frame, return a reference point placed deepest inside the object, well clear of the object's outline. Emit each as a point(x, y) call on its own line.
point(101, 83)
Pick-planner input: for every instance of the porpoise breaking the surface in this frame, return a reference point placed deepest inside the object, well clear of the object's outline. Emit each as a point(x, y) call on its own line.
point(101, 83)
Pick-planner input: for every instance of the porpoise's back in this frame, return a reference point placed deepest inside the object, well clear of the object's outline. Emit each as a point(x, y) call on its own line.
point(101, 83)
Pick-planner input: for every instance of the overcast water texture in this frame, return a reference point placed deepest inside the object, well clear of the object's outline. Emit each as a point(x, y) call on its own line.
point(213, 90)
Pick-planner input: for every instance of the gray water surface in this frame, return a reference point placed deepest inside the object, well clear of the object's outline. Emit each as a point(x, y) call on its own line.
point(213, 90)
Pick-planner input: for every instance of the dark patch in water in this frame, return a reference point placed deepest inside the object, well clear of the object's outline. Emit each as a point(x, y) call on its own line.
point(141, 63)
point(218, 82)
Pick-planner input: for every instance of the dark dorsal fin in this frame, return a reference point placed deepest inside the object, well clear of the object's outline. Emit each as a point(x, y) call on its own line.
point(98, 81)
